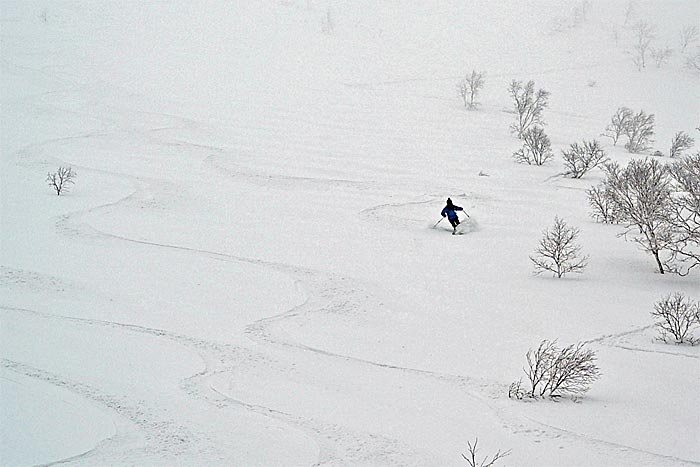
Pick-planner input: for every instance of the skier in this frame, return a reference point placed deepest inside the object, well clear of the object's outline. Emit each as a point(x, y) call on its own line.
point(449, 211)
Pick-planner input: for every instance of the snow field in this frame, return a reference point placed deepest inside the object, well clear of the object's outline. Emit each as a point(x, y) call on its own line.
point(245, 272)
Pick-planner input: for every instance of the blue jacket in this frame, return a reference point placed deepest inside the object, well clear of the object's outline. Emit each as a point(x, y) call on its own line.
point(449, 211)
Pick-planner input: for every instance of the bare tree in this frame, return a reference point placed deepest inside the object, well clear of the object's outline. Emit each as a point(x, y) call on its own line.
point(60, 179)
point(639, 130)
point(529, 106)
point(661, 56)
point(536, 150)
point(472, 461)
point(554, 372)
point(557, 251)
point(618, 124)
point(603, 207)
point(642, 194)
point(327, 23)
point(692, 61)
point(681, 141)
point(572, 371)
point(630, 11)
point(644, 35)
point(538, 363)
point(689, 34)
point(684, 216)
point(580, 158)
point(676, 316)
point(469, 88)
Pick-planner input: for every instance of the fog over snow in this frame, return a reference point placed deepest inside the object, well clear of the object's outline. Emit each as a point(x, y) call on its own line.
point(248, 271)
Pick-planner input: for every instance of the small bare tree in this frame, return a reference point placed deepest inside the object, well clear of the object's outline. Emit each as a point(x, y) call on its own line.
point(538, 364)
point(661, 56)
point(630, 12)
point(60, 179)
point(692, 61)
point(689, 35)
point(681, 142)
point(529, 106)
point(618, 124)
point(572, 371)
point(639, 130)
point(473, 462)
point(469, 89)
point(554, 372)
point(557, 251)
point(676, 315)
point(644, 35)
point(603, 207)
point(580, 158)
point(536, 150)
point(641, 192)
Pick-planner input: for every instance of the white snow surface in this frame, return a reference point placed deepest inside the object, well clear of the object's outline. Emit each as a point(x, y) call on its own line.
point(245, 272)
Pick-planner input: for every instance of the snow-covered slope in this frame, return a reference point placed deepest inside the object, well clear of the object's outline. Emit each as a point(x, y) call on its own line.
point(245, 271)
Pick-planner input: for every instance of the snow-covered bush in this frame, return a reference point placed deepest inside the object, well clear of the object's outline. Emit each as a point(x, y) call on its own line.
point(469, 88)
point(676, 315)
point(536, 150)
point(580, 158)
point(681, 142)
point(557, 251)
point(554, 372)
point(60, 179)
point(639, 130)
point(529, 106)
point(641, 193)
point(603, 207)
point(486, 462)
point(618, 124)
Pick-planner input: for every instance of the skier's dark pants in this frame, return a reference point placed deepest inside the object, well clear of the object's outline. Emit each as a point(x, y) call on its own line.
point(454, 222)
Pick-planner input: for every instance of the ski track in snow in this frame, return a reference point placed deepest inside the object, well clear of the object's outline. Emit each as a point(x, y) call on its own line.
point(337, 445)
point(326, 293)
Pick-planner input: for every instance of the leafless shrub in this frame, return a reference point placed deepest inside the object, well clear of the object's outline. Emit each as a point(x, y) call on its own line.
point(641, 192)
point(657, 153)
point(536, 150)
point(603, 207)
point(689, 34)
point(554, 372)
point(692, 61)
point(580, 158)
point(469, 89)
point(644, 35)
point(529, 106)
point(557, 251)
point(639, 130)
point(661, 56)
point(516, 391)
point(681, 141)
point(618, 124)
point(60, 179)
point(473, 462)
point(676, 315)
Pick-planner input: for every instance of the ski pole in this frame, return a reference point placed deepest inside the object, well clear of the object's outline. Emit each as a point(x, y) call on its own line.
point(438, 222)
